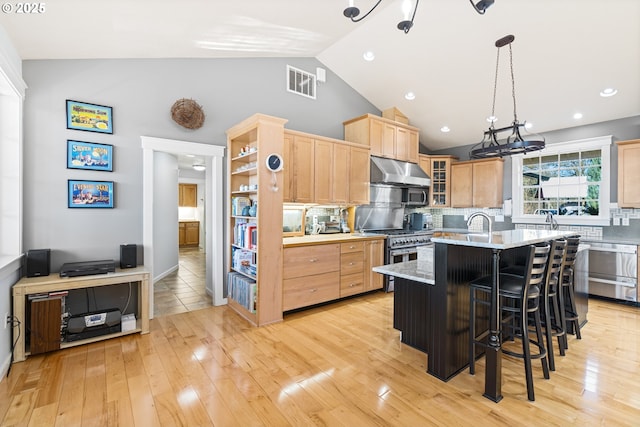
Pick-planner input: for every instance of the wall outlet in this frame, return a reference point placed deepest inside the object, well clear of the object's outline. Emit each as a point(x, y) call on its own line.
point(7, 319)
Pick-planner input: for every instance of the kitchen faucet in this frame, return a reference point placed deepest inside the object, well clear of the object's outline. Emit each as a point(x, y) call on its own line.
point(553, 224)
point(482, 214)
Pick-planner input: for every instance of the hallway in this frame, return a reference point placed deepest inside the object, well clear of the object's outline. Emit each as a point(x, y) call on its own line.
point(183, 290)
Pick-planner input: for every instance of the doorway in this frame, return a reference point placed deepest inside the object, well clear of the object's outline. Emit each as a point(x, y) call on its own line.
point(214, 242)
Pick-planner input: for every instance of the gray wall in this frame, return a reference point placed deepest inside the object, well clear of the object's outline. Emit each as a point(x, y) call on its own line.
point(621, 129)
point(141, 93)
point(165, 214)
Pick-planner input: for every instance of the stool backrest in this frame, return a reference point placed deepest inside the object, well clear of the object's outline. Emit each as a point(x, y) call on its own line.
point(570, 257)
point(537, 264)
point(556, 261)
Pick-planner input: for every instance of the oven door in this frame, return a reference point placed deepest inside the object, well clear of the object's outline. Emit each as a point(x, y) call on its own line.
point(395, 256)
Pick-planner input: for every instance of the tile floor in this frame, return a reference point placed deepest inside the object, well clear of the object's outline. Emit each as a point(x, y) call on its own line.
point(184, 289)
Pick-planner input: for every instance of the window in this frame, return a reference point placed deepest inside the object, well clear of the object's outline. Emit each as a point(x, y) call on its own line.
point(12, 89)
point(569, 180)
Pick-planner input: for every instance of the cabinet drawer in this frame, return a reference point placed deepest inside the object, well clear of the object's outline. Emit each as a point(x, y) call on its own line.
point(193, 224)
point(351, 284)
point(351, 247)
point(310, 290)
point(309, 260)
point(352, 262)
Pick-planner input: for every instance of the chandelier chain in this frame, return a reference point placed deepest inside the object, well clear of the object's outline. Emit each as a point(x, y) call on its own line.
point(513, 84)
point(495, 88)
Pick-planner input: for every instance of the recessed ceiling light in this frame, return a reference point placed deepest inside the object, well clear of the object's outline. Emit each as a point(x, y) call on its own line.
point(190, 155)
point(410, 96)
point(577, 116)
point(608, 92)
point(492, 119)
point(199, 168)
point(528, 125)
point(445, 129)
point(369, 56)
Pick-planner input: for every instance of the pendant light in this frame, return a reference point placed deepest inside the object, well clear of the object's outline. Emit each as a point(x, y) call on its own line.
point(515, 143)
point(352, 12)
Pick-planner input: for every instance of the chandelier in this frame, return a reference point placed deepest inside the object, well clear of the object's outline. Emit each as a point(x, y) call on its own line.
point(405, 25)
point(514, 143)
point(352, 12)
point(482, 6)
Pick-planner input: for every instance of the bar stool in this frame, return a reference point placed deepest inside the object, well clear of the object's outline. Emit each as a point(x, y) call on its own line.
point(567, 299)
point(520, 296)
point(552, 308)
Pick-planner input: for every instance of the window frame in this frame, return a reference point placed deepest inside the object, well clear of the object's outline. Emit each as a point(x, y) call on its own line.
point(602, 143)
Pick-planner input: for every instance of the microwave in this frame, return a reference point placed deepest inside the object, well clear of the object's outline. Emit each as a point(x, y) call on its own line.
point(415, 196)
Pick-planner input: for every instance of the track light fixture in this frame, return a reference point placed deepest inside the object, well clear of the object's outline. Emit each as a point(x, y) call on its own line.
point(481, 6)
point(352, 12)
point(514, 143)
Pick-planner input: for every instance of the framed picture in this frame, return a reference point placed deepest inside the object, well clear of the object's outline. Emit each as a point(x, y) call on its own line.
point(90, 194)
point(89, 156)
point(89, 117)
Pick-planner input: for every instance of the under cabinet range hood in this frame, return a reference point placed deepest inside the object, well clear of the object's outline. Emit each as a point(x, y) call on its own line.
point(397, 172)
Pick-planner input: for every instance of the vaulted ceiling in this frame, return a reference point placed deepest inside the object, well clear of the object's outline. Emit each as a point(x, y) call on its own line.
point(564, 54)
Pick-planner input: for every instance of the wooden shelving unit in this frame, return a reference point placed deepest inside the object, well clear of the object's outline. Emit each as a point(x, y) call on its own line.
point(138, 277)
point(249, 144)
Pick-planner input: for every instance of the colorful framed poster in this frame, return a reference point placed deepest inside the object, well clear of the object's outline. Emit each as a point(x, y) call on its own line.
point(89, 117)
point(89, 156)
point(90, 194)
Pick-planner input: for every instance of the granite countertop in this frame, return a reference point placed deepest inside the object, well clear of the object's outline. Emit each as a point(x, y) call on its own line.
point(499, 239)
point(321, 239)
point(408, 270)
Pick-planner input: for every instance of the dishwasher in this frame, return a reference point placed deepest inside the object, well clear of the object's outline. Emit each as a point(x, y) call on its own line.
point(613, 270)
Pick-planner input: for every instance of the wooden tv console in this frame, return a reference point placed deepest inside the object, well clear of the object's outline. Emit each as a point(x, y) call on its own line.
point(34, 285)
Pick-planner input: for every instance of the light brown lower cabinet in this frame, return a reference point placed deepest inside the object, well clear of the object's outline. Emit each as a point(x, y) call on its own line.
point(188, 233)
point(311, 275)
point(374, 257)
point(351, 268)
point(315, 274)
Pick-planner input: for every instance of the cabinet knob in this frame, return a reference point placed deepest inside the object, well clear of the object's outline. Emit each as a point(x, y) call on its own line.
point(313, 260)
point(313, 290)
point(352, 263)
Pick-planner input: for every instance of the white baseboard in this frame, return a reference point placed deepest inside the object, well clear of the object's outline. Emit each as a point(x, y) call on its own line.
point(5, 367)
point(165, 274)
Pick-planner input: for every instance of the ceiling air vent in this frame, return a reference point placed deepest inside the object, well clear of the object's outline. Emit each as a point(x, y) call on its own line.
point(301, 82)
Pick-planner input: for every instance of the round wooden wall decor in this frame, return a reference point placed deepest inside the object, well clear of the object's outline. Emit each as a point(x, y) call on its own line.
point(187, 113)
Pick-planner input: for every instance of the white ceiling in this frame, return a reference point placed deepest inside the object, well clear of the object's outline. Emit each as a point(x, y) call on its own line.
point(564, 53)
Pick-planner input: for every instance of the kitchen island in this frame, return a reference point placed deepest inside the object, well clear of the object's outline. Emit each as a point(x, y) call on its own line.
point(436, 316)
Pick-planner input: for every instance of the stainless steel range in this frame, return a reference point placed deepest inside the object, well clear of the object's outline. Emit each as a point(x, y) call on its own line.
point(402, 246)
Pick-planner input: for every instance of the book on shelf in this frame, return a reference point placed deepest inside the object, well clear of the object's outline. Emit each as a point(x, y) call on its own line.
point(245, 234)
point(242, 290)
point(238, 204)
point(244, 261)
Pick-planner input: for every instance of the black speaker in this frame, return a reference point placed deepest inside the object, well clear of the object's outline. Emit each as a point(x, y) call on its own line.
point(128, 256)
point(38, 262)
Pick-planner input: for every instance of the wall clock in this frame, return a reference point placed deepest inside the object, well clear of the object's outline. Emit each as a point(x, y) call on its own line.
point(274, 162)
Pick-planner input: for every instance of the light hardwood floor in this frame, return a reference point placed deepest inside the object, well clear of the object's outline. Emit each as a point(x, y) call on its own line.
point(184, 289)
point(337, 365)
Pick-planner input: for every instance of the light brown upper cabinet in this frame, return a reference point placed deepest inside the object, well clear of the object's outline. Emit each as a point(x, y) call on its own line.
point(359, 175)
point(439, 170)
point(332, 172)
point(187, 195)
point(385, 138)
point(477, 183)
point(629, 173)
point(298, 162)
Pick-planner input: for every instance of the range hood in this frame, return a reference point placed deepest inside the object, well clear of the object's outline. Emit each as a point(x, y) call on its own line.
point(396, 172)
